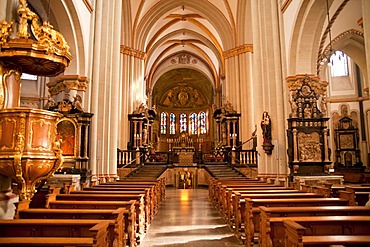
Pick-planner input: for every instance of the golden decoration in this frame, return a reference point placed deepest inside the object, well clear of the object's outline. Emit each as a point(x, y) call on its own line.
point(43, 52)
point(65, 83)
point(6, 29)
point(132, 52)
point(295, 83)
point(238, 50)
point(32, 158)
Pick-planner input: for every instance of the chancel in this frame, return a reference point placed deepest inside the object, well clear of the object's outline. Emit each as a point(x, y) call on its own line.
point(197, 122)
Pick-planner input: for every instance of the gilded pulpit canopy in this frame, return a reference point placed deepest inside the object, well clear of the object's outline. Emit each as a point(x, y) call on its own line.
point(36, 47)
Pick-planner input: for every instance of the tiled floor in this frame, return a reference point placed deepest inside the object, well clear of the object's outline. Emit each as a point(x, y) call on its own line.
point(187, 219)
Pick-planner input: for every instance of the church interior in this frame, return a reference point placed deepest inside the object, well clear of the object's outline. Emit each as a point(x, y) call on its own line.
point(116, 114)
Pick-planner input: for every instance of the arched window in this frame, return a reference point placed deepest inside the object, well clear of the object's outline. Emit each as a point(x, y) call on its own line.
point(193, 123)
point(183, 122)
point(172, 124)
point(202, 123)
point(163, 123)
point(339, 64)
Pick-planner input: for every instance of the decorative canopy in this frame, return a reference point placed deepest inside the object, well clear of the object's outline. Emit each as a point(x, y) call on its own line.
point(36, 49)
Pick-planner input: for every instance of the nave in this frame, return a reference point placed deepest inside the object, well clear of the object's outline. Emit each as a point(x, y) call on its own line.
point(187, 218)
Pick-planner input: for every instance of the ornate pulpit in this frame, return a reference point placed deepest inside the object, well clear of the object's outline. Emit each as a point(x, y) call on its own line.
point(141, 128)
point(29, 150)
point(227, 120)
point(307, 132)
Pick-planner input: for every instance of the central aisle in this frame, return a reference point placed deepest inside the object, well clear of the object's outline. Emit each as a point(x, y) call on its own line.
point(187, 218)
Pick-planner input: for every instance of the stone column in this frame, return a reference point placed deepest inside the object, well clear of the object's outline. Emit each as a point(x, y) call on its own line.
point(106, 78)
point(268, 79)
point(366, 27)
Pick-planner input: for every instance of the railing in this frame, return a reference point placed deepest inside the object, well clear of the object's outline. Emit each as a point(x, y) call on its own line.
point(126, 157)
point(234, 157)
point(157, 158)
point(244, 157)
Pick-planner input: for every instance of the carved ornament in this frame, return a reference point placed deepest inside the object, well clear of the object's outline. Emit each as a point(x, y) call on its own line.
point(66, 83)
point(309, 147)
point(40, 127)
point(295, 83)
point(28, 156)
point(7, 125)
point(132, 52)
point(238, 50)
point(307, 97)
point(36, 48)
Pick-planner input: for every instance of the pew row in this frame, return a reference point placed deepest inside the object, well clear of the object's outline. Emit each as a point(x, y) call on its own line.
point(160, 184)
point(267, 213)
point(295, 236)
point(239, 206)
point(252, 210)
point(82, 232)
point(134, 230)
point(149, 200)
point(317, 225)
point(124, 219)
point(47, 242)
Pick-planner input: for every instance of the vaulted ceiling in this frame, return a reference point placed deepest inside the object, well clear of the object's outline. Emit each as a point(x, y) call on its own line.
point(189, 34)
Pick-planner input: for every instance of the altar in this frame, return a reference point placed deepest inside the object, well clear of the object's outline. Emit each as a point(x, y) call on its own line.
point(60, 179)
point(318, 180)
point(185, 154)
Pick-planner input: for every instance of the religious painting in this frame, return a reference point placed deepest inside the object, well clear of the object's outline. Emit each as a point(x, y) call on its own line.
point(66, 133)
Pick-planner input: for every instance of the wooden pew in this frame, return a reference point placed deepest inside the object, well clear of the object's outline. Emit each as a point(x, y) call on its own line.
point(317, 225)
point(267, 213)
point(252, 212)
point(161, 183)
point(149, 199)
point(295, 236)
point(216, 185)
point(228, 198)
point(224, 191)
point(47, 242)
point(221, 190)
point(357, 195)
point(157, 187)
point(133, 228)
point(99, 232)
point(139, 205)
point(155, 192)
point(124, 219)
point(239, 204)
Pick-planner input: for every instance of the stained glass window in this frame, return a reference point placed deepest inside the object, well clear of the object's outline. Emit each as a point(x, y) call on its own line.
point(193, 125)
point(163, 123)
point(202, 123)
point(183, 122)
point(172, 124)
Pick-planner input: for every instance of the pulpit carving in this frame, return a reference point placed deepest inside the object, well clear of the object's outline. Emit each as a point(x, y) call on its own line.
point(309, 147)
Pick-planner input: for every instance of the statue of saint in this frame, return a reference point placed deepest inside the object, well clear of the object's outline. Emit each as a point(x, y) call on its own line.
point(266, 128)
